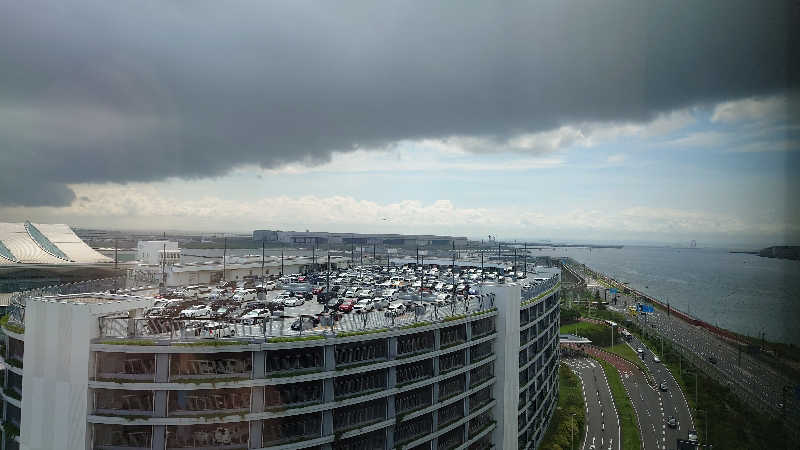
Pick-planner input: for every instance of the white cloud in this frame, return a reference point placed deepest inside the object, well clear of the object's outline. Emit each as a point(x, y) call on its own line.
point(759, 109)
point(145, 207)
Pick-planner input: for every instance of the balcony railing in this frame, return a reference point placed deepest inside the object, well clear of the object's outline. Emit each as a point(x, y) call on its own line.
point(199, 366)
point(292, 395)
point(349, 417)
point(413, 400)
point(209, 401)
point(359, 384)
point(413, 429)
point(212, 436)
point(123, 402)
point(126, 366)
point(290, 429)
point(113, 437)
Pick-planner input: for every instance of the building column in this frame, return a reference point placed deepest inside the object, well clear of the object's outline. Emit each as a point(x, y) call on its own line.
point(506, 349)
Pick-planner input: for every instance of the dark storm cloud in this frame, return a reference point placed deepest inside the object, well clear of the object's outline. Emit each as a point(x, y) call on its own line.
point(137, 91)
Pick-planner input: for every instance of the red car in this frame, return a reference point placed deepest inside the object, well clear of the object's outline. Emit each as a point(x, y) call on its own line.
point(347, 305)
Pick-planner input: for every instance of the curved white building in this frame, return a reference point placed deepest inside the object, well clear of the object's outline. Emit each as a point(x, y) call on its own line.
point(38, 243)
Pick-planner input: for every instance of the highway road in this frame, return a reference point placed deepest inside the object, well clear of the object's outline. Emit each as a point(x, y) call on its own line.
point(671, 402)
point(602, 421)
point(755, 380)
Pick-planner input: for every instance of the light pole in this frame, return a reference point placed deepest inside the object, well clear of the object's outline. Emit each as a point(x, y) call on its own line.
point(705, 419)
point(612, 335)
point(572, 433)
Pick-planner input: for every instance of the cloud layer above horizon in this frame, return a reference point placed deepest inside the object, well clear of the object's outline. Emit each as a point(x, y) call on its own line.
point(95, 92)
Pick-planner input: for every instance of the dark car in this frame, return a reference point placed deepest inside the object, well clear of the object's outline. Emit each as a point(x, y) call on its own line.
point(663, 386)
point(672, 422)
point(712, 359)
point(305, 323)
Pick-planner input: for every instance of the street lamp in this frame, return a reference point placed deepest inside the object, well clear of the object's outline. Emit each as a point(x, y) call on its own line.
point(572, 433)
point(705, 414)
point(612, 334)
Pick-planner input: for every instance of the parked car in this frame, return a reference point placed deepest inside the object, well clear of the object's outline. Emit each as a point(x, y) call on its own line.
point(347, 305)
point(692, 436)
point(305, 323)
point(250, 317)
point(663, 386)
point(396, 308)
point(244, 295)
point(294, 301)
point(672, 422)
point(712, 359)
point(363, 305)
point(196, 311)
point(380, 303)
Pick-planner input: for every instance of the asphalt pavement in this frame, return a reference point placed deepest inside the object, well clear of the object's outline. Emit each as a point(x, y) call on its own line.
point(671, 402)
point(756, 381)
point(602, 421)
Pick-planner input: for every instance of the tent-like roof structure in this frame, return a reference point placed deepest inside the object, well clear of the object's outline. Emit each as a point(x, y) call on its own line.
point(29, 243)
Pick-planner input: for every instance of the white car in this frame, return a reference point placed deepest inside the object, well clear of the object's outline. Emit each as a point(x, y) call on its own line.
point(396, 308)
point(251, 316)
point(656, 359)
point(293, 301)
point(363, 305)
point(244, 295)
point(196, 311)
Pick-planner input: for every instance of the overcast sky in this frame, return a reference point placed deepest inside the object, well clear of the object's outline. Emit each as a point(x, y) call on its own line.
point(619, 121)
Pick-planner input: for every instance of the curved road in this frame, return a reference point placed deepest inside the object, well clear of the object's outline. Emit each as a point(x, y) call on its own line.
point(602, 422)
point(655, 405)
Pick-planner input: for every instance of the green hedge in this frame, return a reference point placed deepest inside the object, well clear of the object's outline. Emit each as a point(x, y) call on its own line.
point(12, 327)
point(631, 440)
point(359, 333)
point(313, 337)
point(562, 429)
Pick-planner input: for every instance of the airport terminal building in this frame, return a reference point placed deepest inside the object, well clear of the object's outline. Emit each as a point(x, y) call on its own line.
point(89, 371)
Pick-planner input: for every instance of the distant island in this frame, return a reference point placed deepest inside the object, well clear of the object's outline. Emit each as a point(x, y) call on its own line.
point(781, 252)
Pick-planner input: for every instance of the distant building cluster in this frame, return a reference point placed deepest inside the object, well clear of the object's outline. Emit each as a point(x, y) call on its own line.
point(322, 237)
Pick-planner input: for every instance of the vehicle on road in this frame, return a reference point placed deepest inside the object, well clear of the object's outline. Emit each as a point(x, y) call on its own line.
point(712, 359)
point(663, 386)
point(692, 435)
point(672, 422)
point(656, 359)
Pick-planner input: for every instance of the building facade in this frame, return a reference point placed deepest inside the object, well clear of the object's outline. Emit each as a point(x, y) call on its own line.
point(157, 253)
point(85, 373)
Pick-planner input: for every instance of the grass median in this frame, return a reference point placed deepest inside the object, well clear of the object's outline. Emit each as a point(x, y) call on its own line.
point(563, 430)
point(631, 440)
